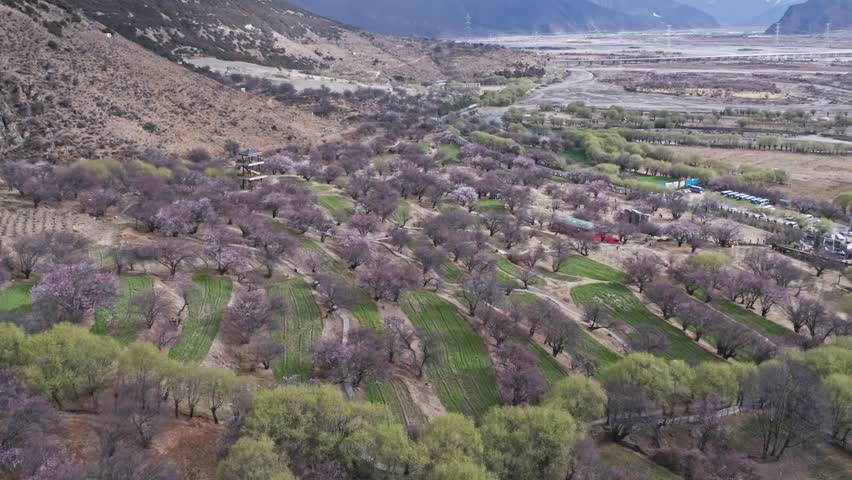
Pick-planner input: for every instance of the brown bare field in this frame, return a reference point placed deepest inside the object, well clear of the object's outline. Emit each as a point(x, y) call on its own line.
point(189, 445)
point(818, 176)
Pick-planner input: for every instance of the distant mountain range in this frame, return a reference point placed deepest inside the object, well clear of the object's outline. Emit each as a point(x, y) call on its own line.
point(449, 18)
point(750, 13)
point(813, 16)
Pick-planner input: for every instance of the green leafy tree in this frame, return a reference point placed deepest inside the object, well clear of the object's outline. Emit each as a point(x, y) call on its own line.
point(580, 396)
point(385, 444)
point(844, 201)
point(142, 364)
point(69, 363)
point(13, 350)
point(456, 470)
point(220, 386)
point(325, 418)
point(828, 359)
point(838, 389)
point(254, 459)
point(452, 437)
point(530, 442)
point(712, 262)
point(718, 380)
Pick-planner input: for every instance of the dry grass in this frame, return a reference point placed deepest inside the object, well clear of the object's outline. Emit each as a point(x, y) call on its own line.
point(818, 176)
point(99, 93)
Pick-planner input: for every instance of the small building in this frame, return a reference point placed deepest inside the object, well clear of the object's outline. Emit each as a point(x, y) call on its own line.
point(635, 217)
point(576, 224)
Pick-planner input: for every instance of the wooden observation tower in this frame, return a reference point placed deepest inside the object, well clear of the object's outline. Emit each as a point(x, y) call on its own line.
point(248, 165)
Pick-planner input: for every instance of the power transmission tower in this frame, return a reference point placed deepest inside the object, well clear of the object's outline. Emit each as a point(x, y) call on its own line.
point(778, 34)
point(468, 25)
point(828, 34)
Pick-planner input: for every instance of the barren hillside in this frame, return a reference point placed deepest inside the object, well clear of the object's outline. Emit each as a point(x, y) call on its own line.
point(276, 33)
point(67, 89)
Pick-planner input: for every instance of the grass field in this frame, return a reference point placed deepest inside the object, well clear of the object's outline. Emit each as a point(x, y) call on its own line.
point(332, 203)
point(491, 205)
point(626, 307)
point(508, 271)
point(547, 272)
point(120, 321)
point(451, 273)
point(523, 298)
point(395, 395)
point(302, 327)
point(751, 319)
point(206, 309)
point(452, 151)
point(580, 266)
point(465, 380)
point(596, 352)
point(550, 368)
point(17, 298)
point(366, 311)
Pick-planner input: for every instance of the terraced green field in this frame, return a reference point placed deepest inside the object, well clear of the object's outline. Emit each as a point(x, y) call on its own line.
point(206, 309)
point(596, 352)
point(366, 311)
point(120, 321)
point(546, 272)
point(751, 319)
point(626, 307)
point(16, 298)
point(395, 395)
point(333, 203)
point(580, 266)
point(451, 273)
point(465, 380)
point(302, 327)
point(550, 368)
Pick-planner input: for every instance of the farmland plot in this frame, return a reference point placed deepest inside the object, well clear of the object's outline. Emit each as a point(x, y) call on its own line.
point(206, 309)
point(395, 395)
point(626, 307)
point(121, 321)
point(366, 311)
point(464, 380)
point(302, 327)
point(579, 266)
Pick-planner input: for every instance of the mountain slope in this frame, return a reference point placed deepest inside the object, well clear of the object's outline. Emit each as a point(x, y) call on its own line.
point(276, 33)
point(88, 94)
point(812, 16)
point(448, 18)
point(742, 12)
point(669, 12)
